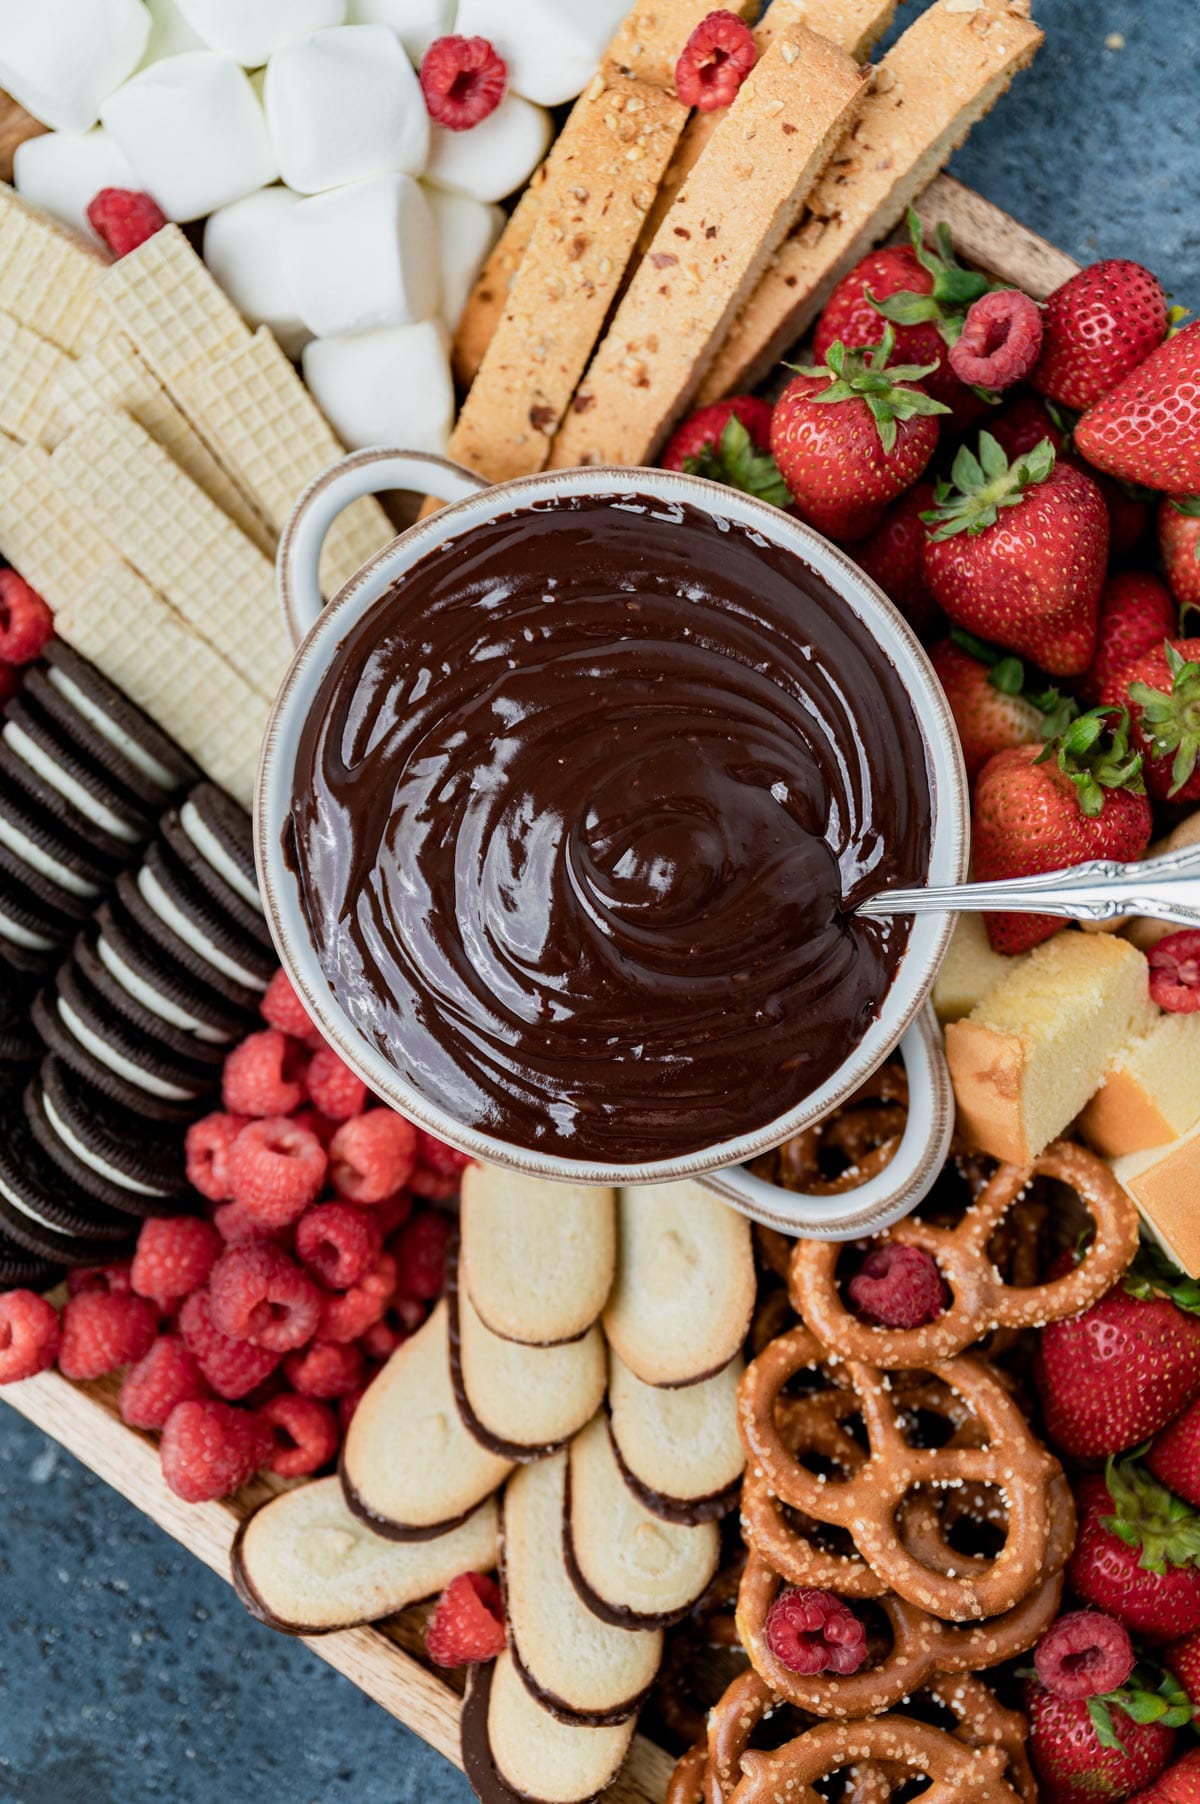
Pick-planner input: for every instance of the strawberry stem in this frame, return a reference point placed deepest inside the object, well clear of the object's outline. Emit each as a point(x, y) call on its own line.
point(735, 462)
point(981, 486)
point(1007, 674)
point(1150, 1696)
point(1150, 1518)
point(1153, 1275)
point(955, 289)
point(1171, 722)
point(1095, 755)
point(864, 376)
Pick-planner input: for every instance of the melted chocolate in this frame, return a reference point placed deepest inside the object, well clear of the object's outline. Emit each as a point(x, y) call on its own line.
point(580, 813)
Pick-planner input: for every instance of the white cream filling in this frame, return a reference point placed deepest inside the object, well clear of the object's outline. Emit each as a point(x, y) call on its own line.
point(157, 898)
point(149, 997)
point(25, 848)
point(115, 1061)
point(108, 728)
point(21, 936)
point(211, 849)
point(33, 755)
point(92, 1160)
point(23, 1208)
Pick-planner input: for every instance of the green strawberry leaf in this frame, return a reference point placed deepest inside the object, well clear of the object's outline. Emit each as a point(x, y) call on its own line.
point(1102, 1723)
point(1171, 721)
point(1149, 1517)
point(737, 463)
point(864, 375)
point(1150, 1695)
point(954, 291)
point(1152, 1274)
point(1093, 750)
point(980, 486)
point(1007, 674)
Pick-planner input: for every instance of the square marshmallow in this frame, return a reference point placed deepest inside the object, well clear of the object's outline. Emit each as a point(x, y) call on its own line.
point(63, 171)
point(170, 33)
point(466, 231)
point(343, 105)
point(385, 388)
point(416, 22)
point(552, 47)
point(252, 30)
point(242, 248)
point(362, 257)
point(193, 129)
point(60, 58)
point(495, 157)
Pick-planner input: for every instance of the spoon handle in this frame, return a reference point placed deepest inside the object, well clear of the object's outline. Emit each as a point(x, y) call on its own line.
point(1167, 888)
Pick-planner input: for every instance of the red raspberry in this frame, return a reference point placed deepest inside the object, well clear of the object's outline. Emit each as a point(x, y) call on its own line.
point(438, 1174)
point(463, 81)
point(899, 1286)
point(26, 623)
point(324, 1370)
point(282, 1008)
point(114, 1280)
point(276, 1170)
point(381, 1340)
point(168, 1374)
point(318, 1125)
point(393, 1212)
point(347, 1405)
point(207, 1147)
point(346, 1315)
point(1175, 972)
point(209, 1450)
point(372, 1156)
point(339, 1242)
point(1084, 1654)
point(28, 1335)
point(264, 1075)
point(814, 1631)
point(257, 1293)
point(235, 1223)
point(467, 1624)
point(333, 1087)
point(420, 1249)
point(306, 1434)
point(1001, 340)
point(124, 219)
point(715, 62)
point(174, 1257)
point(102, 1330)
point(233, 1367)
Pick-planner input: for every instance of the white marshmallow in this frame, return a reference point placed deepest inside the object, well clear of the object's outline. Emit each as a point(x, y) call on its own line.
point(170, 33)
point(61, 58)
point(552, 47)
point(385, 388)
point(193, 129)
point(343, 105)
point(466, 231)
point(252, 30)
point(415, 22)
point(495, 157)
point(362, 257)
point(242, 248)
point(63, 171)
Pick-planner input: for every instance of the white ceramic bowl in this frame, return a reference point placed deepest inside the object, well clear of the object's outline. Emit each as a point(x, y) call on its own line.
point(319, 629)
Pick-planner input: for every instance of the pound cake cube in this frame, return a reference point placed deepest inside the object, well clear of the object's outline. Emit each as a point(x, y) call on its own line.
point(1034, 1051)
point(970, 970)
point(1164, 1182)
point(1151, 1094)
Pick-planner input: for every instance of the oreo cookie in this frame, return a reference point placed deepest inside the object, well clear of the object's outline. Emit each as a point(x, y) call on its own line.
point(101, 752)
point(155, 1075)
point(103, 1180)
point(41, 744)
point(221, 832)
point(170, 928)
point(34, 1214)
point(196, 1056)
point(21, 1270)
point(191, 867)
point(29, 792)
point(131, 1151)
point(18, 1042)
point(157, 980)
point(236, 943)
point(31, 933)
point(73, 1040)
point(31, 834)
point(109, 711)
point(53, 903)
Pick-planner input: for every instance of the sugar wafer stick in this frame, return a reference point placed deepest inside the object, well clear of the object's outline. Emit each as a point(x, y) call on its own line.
point(726, 223)
point(944, 74)
point(47, 274)
point(44, 534)
point(29, 368)
point(164, 299)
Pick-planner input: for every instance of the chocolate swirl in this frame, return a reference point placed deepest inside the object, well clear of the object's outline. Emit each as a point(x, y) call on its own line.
point(579, 814)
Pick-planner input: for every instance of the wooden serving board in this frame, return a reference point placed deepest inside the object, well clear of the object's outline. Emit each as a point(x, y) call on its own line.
point(383, 1661)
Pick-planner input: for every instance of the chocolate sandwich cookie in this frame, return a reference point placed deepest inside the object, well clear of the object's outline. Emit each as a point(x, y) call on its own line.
point(54, 904)
point(35, 1213)
point(155, 978)
point(33, 834)
point(93, 1059)
point(30, 793)
point(221, 832)
point(143, 1159)
point(32, 934)
point(184, 908)
point(140, 740)
point(18, 1042)
point(199, 1057)
point(149, 1069)
point(191, 867)
point(101, 752)
point(33, 737)
point(99, 1180)
point(21, 1270)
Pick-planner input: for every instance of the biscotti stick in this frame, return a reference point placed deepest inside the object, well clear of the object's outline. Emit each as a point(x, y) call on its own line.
point(29, 368)
point(164, 299)
point(944, 74)
point(146, 649)
point(726, 223)
point(489, 297)
point(47, 274)
point(44, 533)
point(179, 540)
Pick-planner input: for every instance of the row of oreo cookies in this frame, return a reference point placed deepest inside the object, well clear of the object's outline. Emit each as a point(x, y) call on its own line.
point(132, 1030)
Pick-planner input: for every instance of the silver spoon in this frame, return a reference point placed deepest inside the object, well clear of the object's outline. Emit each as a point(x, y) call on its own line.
point(1167, 888)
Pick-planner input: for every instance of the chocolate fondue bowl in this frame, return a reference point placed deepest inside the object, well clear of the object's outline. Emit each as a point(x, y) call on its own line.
point(563, 812)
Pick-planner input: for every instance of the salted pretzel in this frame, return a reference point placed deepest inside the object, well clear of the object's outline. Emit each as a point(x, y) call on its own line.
point(980, 1300)
point(866, 1504)
point(686, 1784)
point(899, 1746)
point(863, 1134)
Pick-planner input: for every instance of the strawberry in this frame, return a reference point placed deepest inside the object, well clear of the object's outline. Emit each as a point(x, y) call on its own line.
point(1017, 553)
point(1179, 542)
point(1136, 612)
point(851, 434)
point(1180, 1784)
point(1136, 1553)
point(1161, 688)
point(1079, 1760)
point(1183, 1659)
point(1040, 809)
point(893, 557)
point(730, 442)
point(1147, 429)
point(1016, 428)
point(1097, 328)
point(1022, 423)
point(992, 708)
point(1122, 1370)
point(1174, 1455)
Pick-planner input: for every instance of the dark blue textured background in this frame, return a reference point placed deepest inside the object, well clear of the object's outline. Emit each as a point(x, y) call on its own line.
point(128, 1672)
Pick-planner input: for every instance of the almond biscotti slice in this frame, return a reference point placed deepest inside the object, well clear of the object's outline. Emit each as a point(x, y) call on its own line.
point(725, 224)
point(944, 74)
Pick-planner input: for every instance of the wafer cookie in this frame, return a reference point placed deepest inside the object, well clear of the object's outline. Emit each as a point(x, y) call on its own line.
point(43, 532)
point(163, 298)
point(726, 223)
point(29, 368)
point(179, 540)
point(273, 436)
point(47, 274)
point(197, 696)
point(944, 74)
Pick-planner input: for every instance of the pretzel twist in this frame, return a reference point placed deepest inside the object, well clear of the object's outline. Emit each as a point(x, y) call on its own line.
point(958, 1774)
point(980, 1300)
point(864, 1131)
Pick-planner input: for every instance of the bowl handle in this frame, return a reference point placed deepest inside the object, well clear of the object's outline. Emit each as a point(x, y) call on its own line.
point(362, 473)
